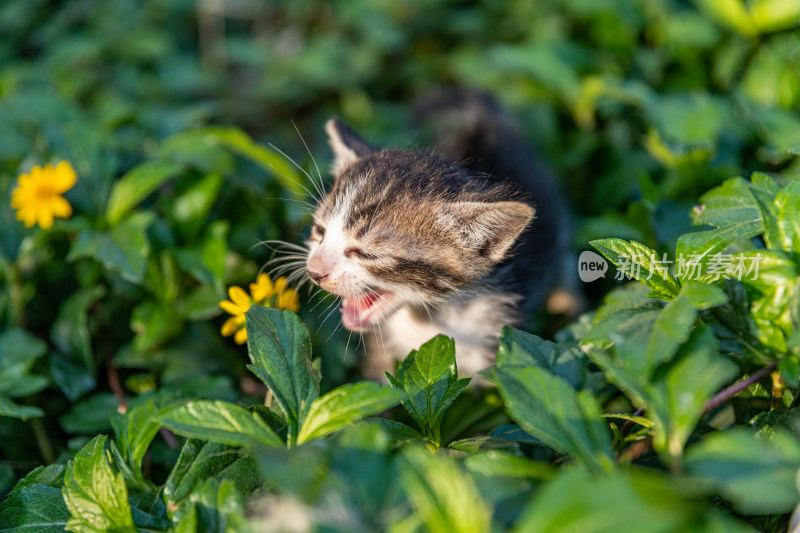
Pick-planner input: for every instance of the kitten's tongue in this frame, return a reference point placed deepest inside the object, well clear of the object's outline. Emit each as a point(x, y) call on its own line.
point(361, 312)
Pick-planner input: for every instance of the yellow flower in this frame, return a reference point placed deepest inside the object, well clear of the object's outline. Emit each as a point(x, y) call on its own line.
point(37, 198)
point(262, 292)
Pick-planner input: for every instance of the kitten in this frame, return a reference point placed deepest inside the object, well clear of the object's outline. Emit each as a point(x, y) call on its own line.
point(461, 241)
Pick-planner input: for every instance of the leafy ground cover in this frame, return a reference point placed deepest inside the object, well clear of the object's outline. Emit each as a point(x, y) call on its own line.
point(142, 163)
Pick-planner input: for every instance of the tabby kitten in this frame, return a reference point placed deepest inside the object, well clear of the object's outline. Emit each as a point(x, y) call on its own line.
point(417, 243)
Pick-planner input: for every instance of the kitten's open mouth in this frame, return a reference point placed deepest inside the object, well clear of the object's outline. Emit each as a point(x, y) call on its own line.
point(361, 312)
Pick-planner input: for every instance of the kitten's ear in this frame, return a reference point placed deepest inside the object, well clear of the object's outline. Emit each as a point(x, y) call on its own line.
point(490, 228)
point(347, 146)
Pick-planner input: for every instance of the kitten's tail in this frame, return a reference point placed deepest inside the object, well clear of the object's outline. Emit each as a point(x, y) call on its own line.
point(470, 127)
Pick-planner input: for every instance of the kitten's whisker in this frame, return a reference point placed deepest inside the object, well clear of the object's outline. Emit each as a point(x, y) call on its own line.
point(328, 315)
point(309, 153)
point(301, 169)
point(292, 245)
point(309, 205)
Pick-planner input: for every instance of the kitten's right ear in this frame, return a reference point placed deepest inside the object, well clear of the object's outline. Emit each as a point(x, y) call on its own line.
point(347, 146)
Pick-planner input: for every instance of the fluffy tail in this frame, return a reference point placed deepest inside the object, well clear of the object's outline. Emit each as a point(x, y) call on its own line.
point(470, 127)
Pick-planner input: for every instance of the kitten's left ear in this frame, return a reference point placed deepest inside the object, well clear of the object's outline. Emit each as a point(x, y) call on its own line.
point(490, 228)
point(347, 146)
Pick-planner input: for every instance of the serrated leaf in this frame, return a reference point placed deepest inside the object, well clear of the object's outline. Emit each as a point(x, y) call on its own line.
point(344, 405)
point(756, 474)
point(445, 498)
point(198, 461)
point(519, 348)
point(34, 508)
point(95, 495)
point(219, 421)
point(548, 408)
point(694, 250)
point(641, 263)
point(430, 378)
point(136, 185)
point(279, 347)
point(729, 203)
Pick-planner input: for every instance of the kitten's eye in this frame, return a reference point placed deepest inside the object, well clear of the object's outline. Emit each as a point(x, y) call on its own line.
point(353, 253)
point(318, 230)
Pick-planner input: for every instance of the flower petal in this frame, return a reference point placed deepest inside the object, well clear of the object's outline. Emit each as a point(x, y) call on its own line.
point(241, 336)
point(60, 207)
point(280, 283)
point(63, 177)
point(229, 327)
point(262, 288)
point(239, 297)
point(232, 308)
point(45, 219)
point(288, 299)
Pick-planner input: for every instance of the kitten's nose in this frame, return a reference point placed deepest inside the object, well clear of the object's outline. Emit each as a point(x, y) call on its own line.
point(317, 269)
point(316, 276)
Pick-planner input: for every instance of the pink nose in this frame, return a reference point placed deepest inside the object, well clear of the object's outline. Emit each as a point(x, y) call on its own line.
point(318, 269)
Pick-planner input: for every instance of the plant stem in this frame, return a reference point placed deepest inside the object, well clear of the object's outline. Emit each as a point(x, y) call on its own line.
point(42, 441)
point(778, 387)
point(739, 386)
point(116, 386)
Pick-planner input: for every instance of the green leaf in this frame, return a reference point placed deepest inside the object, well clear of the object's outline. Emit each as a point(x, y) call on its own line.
point(191, 206)
point(34, 508)
point(135, 430)
point(443, 496)
point(636, 501)
point(639, 262)
point(344, 405)
point(788, 203)
point(35, 504)
point(280, 349)
point(519, 348)
point(19, 350)
point(200, 460)
point(677, 400)
point(430, 378)
point(136, 185)
point(91, 415)
point(219, 421)
point(148, 511)
point(758, 475)
point(218, 507)
point(729, 203)
point(96, 496)
point(50, 475)
point(494, 463)
point(268, 159)
point(694, 250)
point(124, 249)
point(548, 408)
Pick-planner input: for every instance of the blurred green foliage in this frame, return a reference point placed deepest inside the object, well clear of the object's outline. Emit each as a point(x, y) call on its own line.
point(176, 114)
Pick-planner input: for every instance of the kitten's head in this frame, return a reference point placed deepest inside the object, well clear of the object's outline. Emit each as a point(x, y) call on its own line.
point(405, 227)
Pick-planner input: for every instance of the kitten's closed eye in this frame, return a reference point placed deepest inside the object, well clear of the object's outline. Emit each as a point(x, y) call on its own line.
point(317, 232)
point(357, 253)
